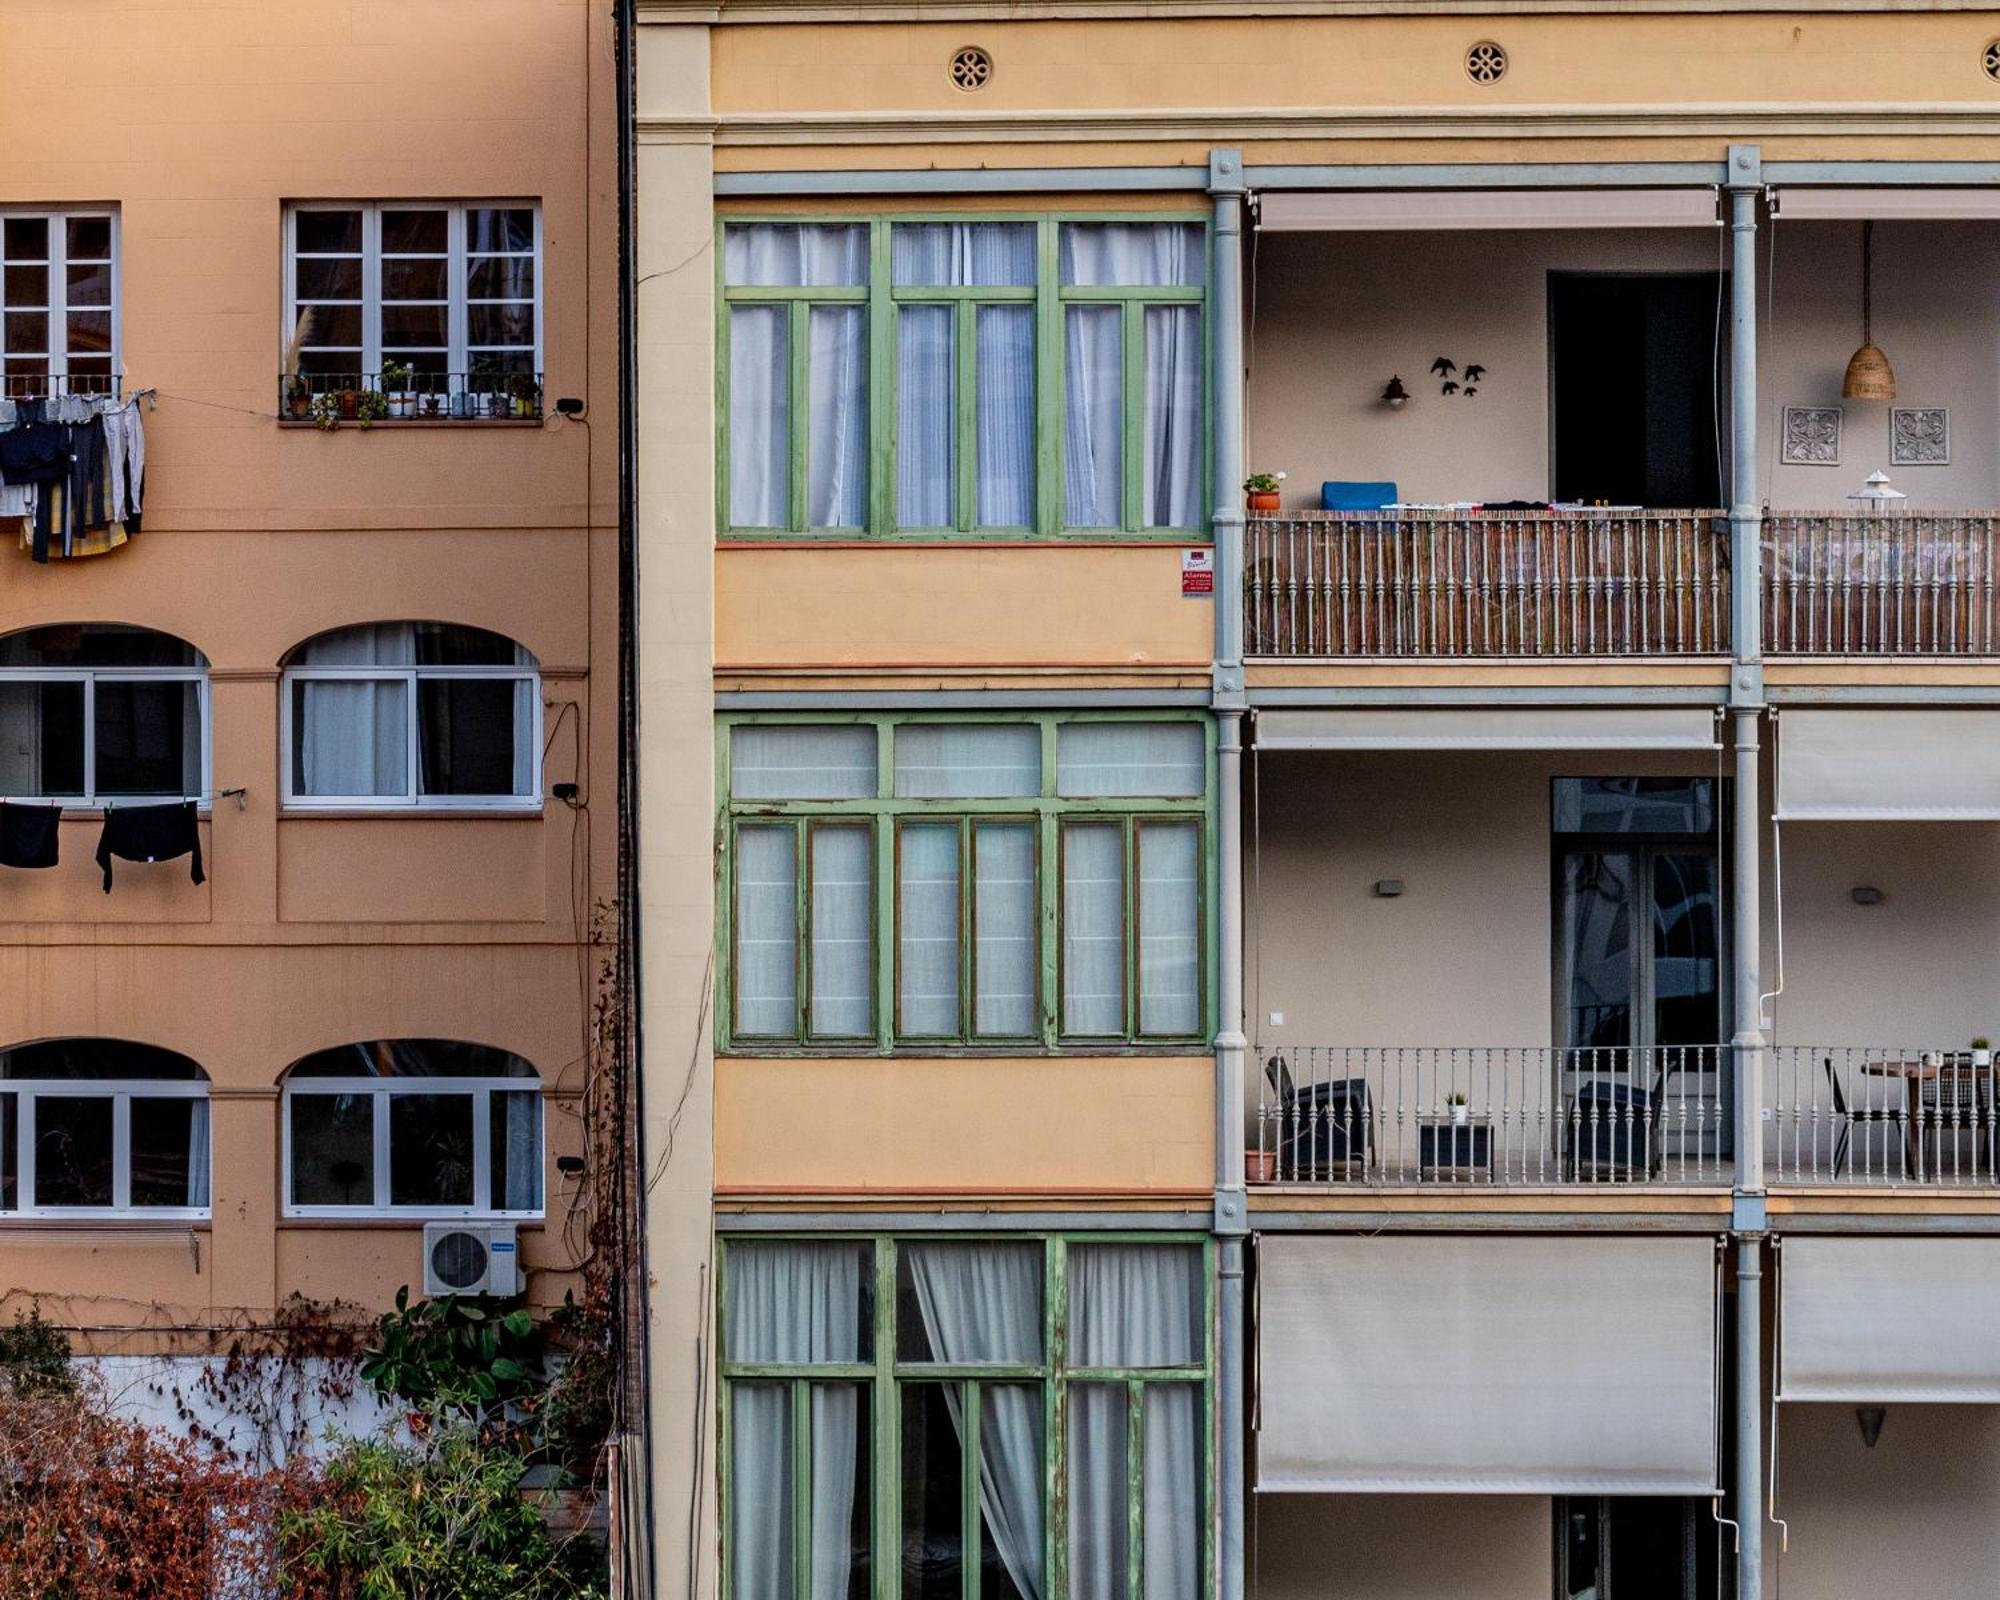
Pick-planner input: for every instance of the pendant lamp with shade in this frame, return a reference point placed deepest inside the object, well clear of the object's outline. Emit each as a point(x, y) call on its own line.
point(1869, 375)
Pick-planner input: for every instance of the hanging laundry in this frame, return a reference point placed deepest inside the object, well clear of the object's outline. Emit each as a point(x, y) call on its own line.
point(73, 468)
point(150, 833)
point(28, 834)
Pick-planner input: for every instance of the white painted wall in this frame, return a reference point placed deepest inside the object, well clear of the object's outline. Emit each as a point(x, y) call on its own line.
point(1400, 1547)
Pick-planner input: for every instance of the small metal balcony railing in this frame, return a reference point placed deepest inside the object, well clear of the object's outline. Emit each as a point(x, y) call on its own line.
point(16, 385)
point(1882, 1117)
point(1525, 1117)
point(332, 398)
point(1906, 583)
point(1556, 583)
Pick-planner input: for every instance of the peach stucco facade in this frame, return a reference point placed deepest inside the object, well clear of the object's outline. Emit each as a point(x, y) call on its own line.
point(197, 123)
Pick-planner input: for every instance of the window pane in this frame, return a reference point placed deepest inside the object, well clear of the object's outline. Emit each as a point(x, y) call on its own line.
point(329, 231)
point(450, 644)
point(502, 323)
point(419, 278)
point(837, 418)
point(1093, 935)
point(405, 325)
point(72, 1150)
point(148, 737)
point(1136, 759)
point(1093, 417)
point(1004, 915)
point(767, 931)
point(88, 331)
point(169, 1152)
point(787, 255)
point(350, 737)
point(843, 934)
point(89, 286)
point(430, 1150)
point(1005, 384)
point(500, 278)
point(933, 1494)
point(468, 733)
point(926, 416)
point(1169, 928)
point(41, 738)
point(25, 238)
point(27, 332)
point(1173, 453)
point(1635, 805)
point(27, 286)
point(960, 254)
point(760, 1491)
point(799, 1302)
point(842, 1488)
point(10, 1171)
point(1133, 254)
point(1099, 1492)
point(969, 1304)
point(414, 231)
point(802, 762)
point(89, 238)
point(331, 278)
point(760, 390)
point(333, 1149)
point(1173, 1509)
point(500, 228)
point(336, 326)
point(515, 1140)
point(1010, 1497)
point(927, 929)
point(942, 760)
point(1136, 1305)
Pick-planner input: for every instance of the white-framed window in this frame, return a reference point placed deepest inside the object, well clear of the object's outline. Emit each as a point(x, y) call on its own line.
point(413, 1128)
point(102, 1128)
point(393, 715)
point(415, 297)
point(102, 713)
point(58, 302)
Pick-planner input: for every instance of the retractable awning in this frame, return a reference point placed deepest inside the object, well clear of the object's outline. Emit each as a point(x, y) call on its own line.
point(1460, 1365)
point(1426, 210)
point(1884, 764)
point(1887, 205)
point(1880, 1320)
point(1490, 728)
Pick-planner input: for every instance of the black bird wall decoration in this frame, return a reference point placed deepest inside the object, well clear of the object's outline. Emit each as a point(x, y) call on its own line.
point(1444, 367)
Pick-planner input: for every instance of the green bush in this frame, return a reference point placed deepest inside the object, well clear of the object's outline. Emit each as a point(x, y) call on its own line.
point(34, 1356)
point(458, 1356)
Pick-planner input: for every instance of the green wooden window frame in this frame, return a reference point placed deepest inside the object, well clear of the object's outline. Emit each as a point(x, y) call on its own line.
point(885, 814)
point(881, 297)
point(883, 1377)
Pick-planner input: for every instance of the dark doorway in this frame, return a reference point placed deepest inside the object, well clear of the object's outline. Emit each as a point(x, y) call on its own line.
point(1634, 361)
point(1639, 1548)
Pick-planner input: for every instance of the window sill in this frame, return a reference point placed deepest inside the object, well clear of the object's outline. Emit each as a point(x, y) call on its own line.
point(292, 811)
point(750, 1050)
point(851, 539)
point(174, 1224)
point(309, 426)
point(378, 1220)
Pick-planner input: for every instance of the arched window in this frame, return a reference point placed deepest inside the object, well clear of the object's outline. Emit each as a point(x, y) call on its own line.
point(430, 1127)
point(100, 711)
point(102, 1127)
point(411, 714)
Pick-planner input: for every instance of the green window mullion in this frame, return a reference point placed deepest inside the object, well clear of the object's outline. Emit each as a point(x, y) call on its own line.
point(1132, 968)
point(802, 1455)
point(802, 948)
point(966, 402)
point(887, 927)
point(722, 360)
point(968, 1476)
point(967, 922)
point(885, 1459)
point(1048, 385)
point(1135, 414)
point(798, 328)
point(1051, 930)
point(882, 397)
point(1135, 1489)
point(1055, 1417)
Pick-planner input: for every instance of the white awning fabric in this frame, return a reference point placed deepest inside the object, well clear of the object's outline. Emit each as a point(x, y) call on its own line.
point(1430, 210)
point(1873, 764)
point(1490, 728)
point(1462, 1365)
point(1876, 1321)
point(1888, 205)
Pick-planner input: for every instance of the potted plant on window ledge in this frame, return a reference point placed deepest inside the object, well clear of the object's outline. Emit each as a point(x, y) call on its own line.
point(396, 389)
point(298, 398)
point(1262, 490)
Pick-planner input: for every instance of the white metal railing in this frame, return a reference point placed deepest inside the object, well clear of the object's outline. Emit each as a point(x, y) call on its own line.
point(1837, 583)
point(1554, 583)
point(1881, 1116)
point(1527, 1117)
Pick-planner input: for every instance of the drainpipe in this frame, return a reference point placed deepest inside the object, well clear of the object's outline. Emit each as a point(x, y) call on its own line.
point(1225, 187)
point(1746, 709)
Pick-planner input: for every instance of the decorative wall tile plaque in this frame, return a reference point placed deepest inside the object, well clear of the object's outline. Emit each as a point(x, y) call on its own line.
point(1920, 436)
point(1812, 436)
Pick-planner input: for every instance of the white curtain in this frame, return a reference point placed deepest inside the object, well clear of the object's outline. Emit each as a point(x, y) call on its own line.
point(1135, 1306)
point(1169, 949)
point(843, 943)
point(1093, 416)
point(1004, 377)
point(837, 417)
point(1173, 449)
point(796, 1304)
point(760, 403)
point(1003, 932)
point(767, 994)
point(926, 416)
point(198, 1147)
point(943, 255)
point(811, 761)
point(352, 736)
point(1093, 892)
point(795, 255)
point(519, 1139)
point(927, 928)
point(1097, 760)
point(956, 760)
point(982, 1303)
point(1131, 255)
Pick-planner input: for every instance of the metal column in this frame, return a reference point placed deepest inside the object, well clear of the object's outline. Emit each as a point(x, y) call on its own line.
point(1746, 708)
point(1225, 186)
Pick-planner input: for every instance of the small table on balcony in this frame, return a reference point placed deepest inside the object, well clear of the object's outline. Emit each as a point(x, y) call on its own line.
point(1454, 1151)
point(1937, 1070)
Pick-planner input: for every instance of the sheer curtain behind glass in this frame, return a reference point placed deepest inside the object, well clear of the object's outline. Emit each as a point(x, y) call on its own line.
point(926, 415)
point(1093, 929)
point(1135, 1306)
point(1169, 941)
point(351, 736)
point(837, 417)
point(843, 934)
point(792, 1304)
point(927, 929)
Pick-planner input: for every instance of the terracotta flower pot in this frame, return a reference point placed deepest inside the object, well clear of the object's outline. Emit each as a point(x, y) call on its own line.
point(1263, 499)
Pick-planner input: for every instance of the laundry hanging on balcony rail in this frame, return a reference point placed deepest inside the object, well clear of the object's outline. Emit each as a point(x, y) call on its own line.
point(72, 473)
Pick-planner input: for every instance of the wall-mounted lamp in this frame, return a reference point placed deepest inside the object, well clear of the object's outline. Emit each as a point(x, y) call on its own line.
point(1865, 894)
point(1394, 395)
point(1870, 1418)
point(1388, 888)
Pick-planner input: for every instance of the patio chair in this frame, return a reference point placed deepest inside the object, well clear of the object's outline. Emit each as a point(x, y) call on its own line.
point(1616, 1127)
point(1847, 1117)
point(1322, 1126)
point(1957, 1104)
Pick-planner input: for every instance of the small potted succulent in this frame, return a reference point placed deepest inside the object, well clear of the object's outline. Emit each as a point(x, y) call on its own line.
point(1982, 1051)
point(1455, 1103)
point(1262, 489)
point(396, 388)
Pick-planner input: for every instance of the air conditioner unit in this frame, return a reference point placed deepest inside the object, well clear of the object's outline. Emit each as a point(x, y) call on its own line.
point(470, 1258)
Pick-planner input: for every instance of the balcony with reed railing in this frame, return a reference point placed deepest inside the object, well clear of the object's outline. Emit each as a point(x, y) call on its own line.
point(1900, 584)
